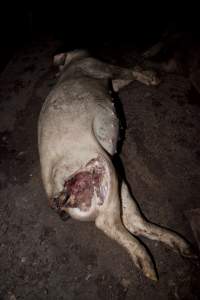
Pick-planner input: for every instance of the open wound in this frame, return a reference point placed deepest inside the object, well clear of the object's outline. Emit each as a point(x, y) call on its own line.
point(85, 186)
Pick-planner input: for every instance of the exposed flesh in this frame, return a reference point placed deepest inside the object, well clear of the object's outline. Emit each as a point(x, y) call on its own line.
point(79, 190)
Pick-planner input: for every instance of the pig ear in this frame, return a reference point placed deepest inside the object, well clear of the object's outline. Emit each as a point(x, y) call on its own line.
point(59, 59)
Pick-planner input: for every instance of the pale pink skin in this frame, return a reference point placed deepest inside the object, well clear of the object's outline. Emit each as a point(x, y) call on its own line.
point(78, 131)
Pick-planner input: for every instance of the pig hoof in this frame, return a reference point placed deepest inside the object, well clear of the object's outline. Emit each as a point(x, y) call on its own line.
point(184, 249)
point(147, 268)
point(151, 274)
point(189, 253)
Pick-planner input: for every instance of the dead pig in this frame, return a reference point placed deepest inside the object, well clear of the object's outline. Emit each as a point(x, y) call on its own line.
point(77, 135)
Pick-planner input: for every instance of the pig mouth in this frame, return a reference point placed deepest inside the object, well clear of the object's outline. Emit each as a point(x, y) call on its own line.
point(82, 188)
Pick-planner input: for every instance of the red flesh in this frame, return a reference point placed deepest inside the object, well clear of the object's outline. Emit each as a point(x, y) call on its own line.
point(82, 186)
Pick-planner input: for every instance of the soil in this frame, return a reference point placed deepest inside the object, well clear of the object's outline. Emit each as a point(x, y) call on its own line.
point(42, 257)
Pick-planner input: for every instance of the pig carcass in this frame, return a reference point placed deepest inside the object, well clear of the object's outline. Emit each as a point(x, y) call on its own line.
point(77, 134)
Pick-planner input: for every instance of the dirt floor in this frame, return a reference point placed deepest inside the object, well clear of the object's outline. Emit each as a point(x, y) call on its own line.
point(42, 257)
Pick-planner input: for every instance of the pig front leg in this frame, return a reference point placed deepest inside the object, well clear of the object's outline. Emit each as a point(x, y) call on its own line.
point(138, 225)
point(119, 75)
point(154, 50)
point(122, 77)
point(147, 77)
point(125, 75)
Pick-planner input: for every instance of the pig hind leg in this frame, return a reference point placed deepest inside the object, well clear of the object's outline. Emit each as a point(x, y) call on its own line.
point(138, 225)
point(115, 230)
point(109, 221)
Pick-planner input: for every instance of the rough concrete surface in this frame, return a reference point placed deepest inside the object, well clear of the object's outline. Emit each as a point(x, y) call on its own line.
point(42, 257)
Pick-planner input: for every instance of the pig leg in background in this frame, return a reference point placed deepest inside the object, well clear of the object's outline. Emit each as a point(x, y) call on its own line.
point(167, 40)
point(154, 50)
point(138, 225)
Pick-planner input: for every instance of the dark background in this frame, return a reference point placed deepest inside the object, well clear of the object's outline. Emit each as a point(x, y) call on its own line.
point(84, 24)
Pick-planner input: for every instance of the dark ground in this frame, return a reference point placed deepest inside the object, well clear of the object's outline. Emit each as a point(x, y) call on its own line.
point(42, 257)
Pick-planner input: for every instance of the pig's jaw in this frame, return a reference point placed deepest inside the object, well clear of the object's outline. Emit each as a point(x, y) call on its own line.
point(85, 191)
